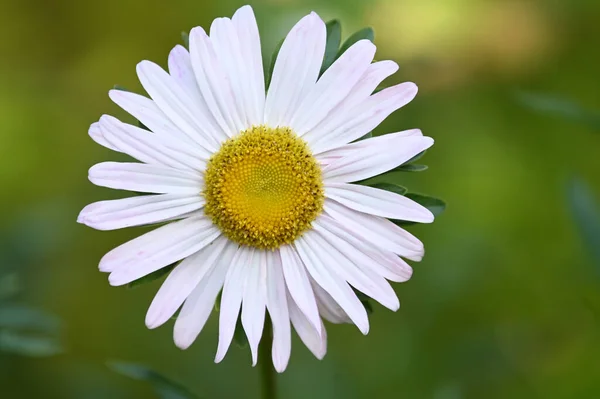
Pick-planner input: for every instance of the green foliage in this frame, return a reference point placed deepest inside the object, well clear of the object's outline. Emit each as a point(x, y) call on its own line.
point(334, 38)
point(435, 205)
point(394, 188)
point(567, 109)
point(152, 276)
point(164, 387)
point(28, 331)
point(185, 38)
point(586, 215)
point(409, 167)
point(366, 33)
point(365, 300)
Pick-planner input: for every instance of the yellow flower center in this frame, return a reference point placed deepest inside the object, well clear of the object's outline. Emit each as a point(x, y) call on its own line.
point(263, 188)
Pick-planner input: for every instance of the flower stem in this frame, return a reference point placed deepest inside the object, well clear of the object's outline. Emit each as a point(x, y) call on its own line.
point(269, 383)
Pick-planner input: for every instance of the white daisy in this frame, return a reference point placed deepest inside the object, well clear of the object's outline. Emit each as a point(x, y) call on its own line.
point(256, 188)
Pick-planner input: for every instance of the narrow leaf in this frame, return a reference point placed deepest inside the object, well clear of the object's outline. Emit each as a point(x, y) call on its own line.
point(561, 107)
point(185, 38)
point(435, 205)
point(586, 215)
point(22, 317)
point(29, 344)
point(164, 387)
point(410, 167)
point(366, 33)
point(334, 39)
point(394, 188)
point(416, 157)
point(152, 276)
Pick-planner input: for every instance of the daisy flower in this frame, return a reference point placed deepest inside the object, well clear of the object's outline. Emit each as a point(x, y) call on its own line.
point(254, 191)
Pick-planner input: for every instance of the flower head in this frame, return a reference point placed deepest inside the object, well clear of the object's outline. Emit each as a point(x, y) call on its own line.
point(255, 189)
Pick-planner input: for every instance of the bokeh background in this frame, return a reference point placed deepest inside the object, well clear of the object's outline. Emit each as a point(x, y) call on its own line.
point(506, 302)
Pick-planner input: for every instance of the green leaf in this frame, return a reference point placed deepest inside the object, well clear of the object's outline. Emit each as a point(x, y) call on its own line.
point(366, 136)
point(435, 205)
point(9, 285)
point(152, 276)
point(366, 33)
point(334, 38)
point(561, 107)
point(28, 331)
point(416, 157)
point(119, 87)
point(29, 344)
point(185, 38)
point(272, 64)
point(409, 167)
point(586, 215)
point(365, 300)
point(394, 188)
point(142, 126)
point(239, 336)
point(164, 387)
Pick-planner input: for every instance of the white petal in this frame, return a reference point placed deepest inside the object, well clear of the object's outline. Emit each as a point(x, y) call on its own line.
point(177, 104)
point(182, 281)
point(180, 68)
point(362, 118)
point(254, 301)
point(147, 112)
point(278, 310)
point(349, 263)
point(371, 157)
point(231, 298)
point(316, 342)
point(333, 86)
point(199, 305)
point(234, 70)
point(377, 231)
point(247, 31)
point(138, 211)
point(328, 307)
point(213, 83)
point(95, 133)
point(368, 257)
point(296, 69)
point(298, 285)
point(145, 178)
point(316, 265)
point(149, 148)
point(378, 202)
point(157, 249)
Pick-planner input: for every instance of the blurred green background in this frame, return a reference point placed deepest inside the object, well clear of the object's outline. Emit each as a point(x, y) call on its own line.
point(506, 302)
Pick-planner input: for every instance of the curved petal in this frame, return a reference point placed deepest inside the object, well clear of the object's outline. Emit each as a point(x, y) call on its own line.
point(357, 268)
point(362, 118)
point(296, 69)
point(148, 147)
point(278, 310)
point(371, 157)
point(378, 202)
point(95, 132)
point(377, 231)
point(137, 211)
point(231, 298)
point(254, 301)
point(157, 249)
point(199, 305)
point(180, 68)
point(247, 32)
point(316, 264)
point(147, 112)
point(214, 84)
point(298, 285)
point(316, 342)
point(333, 86)
point(177, 104)
point(145, 178)
point(329, 309)
point(182, 281)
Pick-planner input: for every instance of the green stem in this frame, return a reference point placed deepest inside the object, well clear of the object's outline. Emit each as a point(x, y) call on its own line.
point(269, 384)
